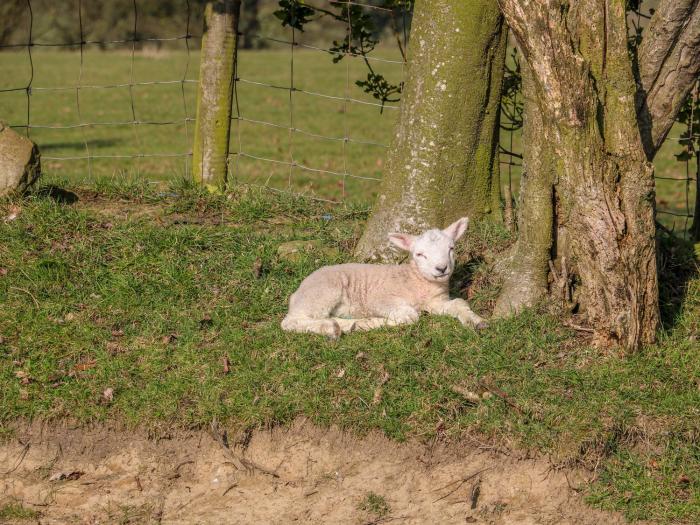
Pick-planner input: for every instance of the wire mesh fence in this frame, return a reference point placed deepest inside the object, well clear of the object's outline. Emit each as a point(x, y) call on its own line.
point(86, 102)
point(302, 119)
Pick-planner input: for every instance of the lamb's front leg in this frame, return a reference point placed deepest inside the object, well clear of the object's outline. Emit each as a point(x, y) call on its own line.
point(459, 309)
point(394, 316)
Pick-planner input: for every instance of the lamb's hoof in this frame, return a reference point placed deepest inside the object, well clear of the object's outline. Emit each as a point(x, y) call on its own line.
point(334, 332)
point(481, 325)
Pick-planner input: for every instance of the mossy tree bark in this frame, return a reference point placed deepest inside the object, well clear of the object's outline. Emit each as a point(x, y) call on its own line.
point(440, 165)
point(214, 97)
point(602, 197)
point(525, 270)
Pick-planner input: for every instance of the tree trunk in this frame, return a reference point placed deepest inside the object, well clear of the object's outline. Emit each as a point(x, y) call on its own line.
point(695, 228)
point(440, 165)
point(668, 67)
point(603, 192)
point(525, 271)
point(214, 97)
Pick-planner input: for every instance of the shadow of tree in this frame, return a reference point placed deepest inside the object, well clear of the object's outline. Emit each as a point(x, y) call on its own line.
point(57, 194)
point(79, 144)
point(678, 265)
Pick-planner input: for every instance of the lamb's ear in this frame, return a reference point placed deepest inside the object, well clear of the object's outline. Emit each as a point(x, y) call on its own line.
point(402, 240)
point(457, 228)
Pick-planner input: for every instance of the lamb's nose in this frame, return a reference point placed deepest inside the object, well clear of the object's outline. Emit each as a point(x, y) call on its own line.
point(441, 269)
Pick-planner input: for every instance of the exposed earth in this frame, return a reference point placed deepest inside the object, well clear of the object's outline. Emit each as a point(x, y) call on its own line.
point(294, 474)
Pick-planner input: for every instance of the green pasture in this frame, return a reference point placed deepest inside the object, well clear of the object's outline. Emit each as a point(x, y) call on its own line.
point(339, 169)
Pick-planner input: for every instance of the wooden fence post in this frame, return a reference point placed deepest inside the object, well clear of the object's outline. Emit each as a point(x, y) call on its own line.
point(214, 97)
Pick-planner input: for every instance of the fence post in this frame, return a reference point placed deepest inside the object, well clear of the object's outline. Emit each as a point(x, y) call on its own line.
point(214, 97)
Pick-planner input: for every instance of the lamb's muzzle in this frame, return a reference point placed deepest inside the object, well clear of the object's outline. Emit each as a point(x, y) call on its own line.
point(346, 297)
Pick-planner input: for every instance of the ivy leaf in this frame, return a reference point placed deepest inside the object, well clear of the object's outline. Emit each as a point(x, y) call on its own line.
point(294, 14)
point(683, 156)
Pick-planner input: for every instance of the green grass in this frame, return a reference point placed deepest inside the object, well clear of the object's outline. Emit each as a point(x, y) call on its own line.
point(313, 71)
point(375, 504)
point(148, 293)
point(16, 512)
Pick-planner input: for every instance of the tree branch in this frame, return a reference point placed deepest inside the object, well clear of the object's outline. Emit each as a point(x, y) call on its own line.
point(669, 65)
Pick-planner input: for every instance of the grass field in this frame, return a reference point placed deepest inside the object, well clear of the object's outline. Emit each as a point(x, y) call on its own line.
point(174, 303)
point(172, 298)
point(311, 115)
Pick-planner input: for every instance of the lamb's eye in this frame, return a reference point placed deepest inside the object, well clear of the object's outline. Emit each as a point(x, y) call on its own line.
point(420, 255)
point(452, 249)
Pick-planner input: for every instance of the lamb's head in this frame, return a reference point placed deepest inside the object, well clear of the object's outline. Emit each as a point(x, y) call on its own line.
point(433, 251)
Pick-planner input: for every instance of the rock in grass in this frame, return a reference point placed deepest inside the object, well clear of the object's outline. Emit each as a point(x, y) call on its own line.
point(293, 250)
point(19, 161)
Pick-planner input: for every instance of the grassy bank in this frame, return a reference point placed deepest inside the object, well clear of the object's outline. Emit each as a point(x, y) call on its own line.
point(161, 308)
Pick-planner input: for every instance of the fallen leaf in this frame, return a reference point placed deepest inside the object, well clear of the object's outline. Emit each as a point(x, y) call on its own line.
point(23, 394)
point(3, 272)
point(69, 317)
point(257, 268)
point(85, 365)
point(14, 213)
point(683, 480)
point(167, 339)
point(384, 375)
point(108, 395)
point(23, 377)
point(377, 395)
point(70, 475)
point(360, 355)
point(114, 348)
point(340, 373)
point(227, 365)
point(470, 396)
point(118, 333)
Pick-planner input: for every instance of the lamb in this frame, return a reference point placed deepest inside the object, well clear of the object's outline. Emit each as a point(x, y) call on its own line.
point(340, 299)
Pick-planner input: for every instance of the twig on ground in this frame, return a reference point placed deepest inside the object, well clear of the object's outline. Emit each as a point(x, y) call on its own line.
point(459, 483)
point(579, 328)
point(505, 397)
point(22, 455)
point(475, 493)
point(24, 290)
point(240, 463)
point(176, 470)
point(229, 488)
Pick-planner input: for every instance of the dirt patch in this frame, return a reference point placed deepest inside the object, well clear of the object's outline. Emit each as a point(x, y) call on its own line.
point(296, 474)
point(119, 209)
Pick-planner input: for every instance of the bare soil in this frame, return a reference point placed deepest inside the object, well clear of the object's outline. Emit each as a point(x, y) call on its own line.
point(295, 474)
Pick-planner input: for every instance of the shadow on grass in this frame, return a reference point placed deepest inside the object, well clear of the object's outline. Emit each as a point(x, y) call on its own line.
point(79, 144)
point(464, 275)
point(59, 195)
point(677, 267)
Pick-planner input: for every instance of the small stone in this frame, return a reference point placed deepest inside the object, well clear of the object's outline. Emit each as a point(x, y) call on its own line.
point(20, 164)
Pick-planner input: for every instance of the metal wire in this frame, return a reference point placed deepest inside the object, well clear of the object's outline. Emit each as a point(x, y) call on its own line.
point(245, 114)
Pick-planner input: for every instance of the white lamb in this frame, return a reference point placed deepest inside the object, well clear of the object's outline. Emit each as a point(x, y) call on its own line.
point(346, 297)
